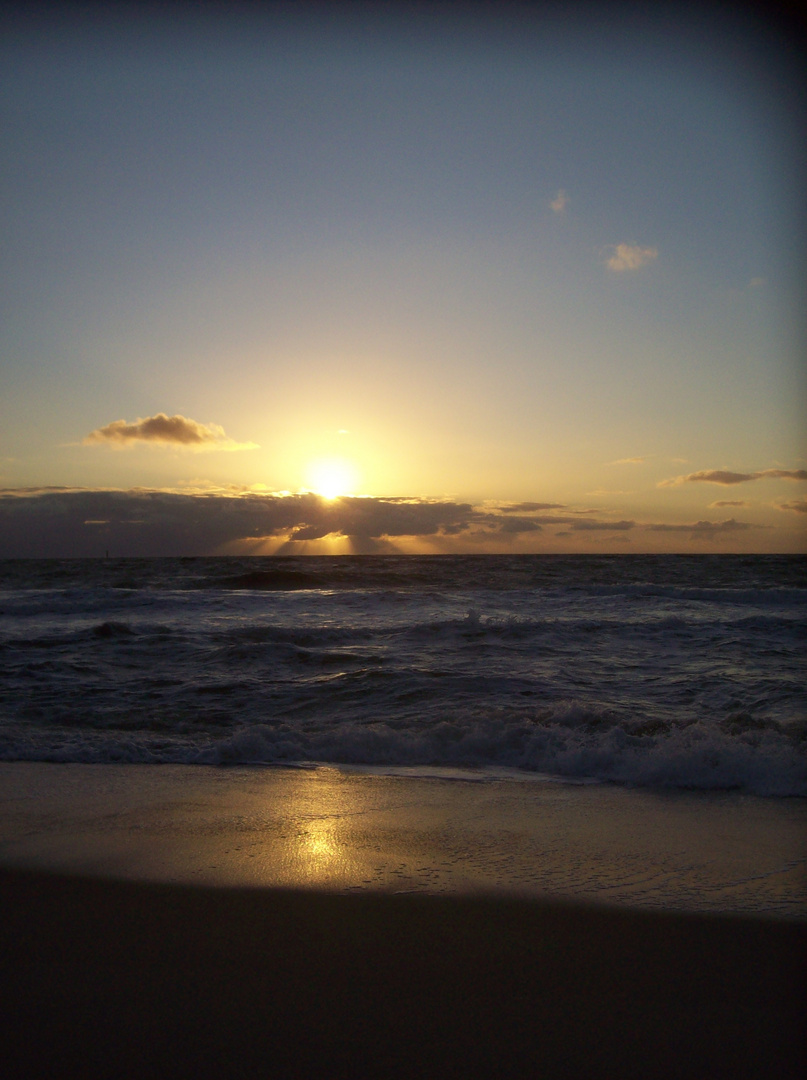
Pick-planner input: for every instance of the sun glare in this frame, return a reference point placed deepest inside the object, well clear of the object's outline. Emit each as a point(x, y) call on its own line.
point(331, 477)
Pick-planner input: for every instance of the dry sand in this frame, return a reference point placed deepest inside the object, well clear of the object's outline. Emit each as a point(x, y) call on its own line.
point(128, 979)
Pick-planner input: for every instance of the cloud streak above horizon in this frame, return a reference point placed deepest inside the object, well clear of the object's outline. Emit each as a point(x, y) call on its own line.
point(176, 431)
point(727, 478)
point(705, 530)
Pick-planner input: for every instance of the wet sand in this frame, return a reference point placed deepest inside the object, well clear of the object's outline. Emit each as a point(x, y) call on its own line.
point(448, 832)
point(116, 964)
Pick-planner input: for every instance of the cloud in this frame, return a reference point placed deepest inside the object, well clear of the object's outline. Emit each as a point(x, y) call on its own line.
point(711, 476)
point(529, 507)
point(705, 530)
point(724, 476)
point(520, 525)
point(573, 520)
point(782, 474)
point(177, 431)
point(560, 202)
point(728, 502)
point(630, 257)
point(799, 506)
point(586, 525)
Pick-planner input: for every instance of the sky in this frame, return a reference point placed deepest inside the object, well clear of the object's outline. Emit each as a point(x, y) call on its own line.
point(406, 277)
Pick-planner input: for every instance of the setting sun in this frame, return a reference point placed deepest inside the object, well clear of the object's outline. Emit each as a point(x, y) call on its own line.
point(331, 477)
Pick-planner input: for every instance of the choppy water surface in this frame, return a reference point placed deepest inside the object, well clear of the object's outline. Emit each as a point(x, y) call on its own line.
point(672, 671)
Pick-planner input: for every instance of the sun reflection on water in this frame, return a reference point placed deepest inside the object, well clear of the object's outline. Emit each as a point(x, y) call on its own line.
point(320, 845)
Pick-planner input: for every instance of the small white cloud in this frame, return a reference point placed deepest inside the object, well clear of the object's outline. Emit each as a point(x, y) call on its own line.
point(560, 202)
point(630, 257)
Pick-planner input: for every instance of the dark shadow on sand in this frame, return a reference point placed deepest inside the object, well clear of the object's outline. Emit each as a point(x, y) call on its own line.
point(104, 978)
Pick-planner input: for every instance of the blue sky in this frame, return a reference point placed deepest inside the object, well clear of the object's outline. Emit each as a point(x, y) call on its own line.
point(454, 256)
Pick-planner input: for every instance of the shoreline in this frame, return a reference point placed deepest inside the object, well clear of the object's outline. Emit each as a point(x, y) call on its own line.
point(450, 831)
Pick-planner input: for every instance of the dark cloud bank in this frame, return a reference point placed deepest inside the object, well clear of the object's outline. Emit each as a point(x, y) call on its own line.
point(63, 523)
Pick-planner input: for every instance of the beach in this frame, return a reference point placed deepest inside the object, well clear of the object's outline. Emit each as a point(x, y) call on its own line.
point(172, 920)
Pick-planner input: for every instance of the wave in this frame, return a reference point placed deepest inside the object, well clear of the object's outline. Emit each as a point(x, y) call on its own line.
point(269, 579)
point(569, 740)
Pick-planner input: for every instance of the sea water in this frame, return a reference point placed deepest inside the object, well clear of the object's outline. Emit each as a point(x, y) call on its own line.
point(653, 671)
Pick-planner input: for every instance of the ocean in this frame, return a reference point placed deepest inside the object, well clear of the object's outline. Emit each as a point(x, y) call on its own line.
point(660, 672)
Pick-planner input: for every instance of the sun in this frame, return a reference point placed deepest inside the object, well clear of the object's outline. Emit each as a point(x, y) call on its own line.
point(331, 477)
